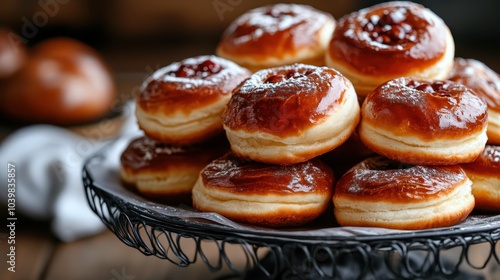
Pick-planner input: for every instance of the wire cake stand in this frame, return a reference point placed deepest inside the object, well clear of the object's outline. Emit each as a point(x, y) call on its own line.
point(321, 251)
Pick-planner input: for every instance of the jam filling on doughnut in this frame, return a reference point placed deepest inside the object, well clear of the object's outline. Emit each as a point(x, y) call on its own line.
point(189, 85)
point(390, 28)
point(202, 70)
point(390, 39)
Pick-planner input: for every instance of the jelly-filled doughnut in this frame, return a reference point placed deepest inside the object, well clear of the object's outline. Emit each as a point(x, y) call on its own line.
point(379, 192)
point(484, 173)
point(390, 40)
point(166, 172)
point(290, 114)
point(182, 103)
point(262, 194)
point(485, 83)
point(424, 122)
point(277, 35)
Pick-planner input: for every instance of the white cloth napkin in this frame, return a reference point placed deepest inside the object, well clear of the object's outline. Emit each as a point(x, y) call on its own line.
point(48, 164)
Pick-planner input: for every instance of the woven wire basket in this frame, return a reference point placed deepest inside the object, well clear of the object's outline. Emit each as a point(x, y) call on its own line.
point(163, 231)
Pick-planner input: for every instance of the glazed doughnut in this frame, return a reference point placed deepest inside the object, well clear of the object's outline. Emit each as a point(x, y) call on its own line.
point(484, 173)
point(424, 122)
point(277, 35)
point(390, 40)
point(261, 194)
point(166, 172)
point(182, 103)
point(290, 114)
point(379, 192)
point(485, 83)
point(63, 82)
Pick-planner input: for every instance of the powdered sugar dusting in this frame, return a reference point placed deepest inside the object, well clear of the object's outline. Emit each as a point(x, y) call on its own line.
point(492, 153)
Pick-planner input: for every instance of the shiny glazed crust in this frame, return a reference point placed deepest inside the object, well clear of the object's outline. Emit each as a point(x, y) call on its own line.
point(438, 122)
point(163, 171)
point(426, 48)
point(485, 83)
point(181, 103)
point(484, 173)
point(291, 114)
point(382, 193)
point(264, 195)
point(276, 35)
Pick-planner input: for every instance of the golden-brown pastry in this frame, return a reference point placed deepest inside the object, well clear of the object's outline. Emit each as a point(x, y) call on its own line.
point(390, 40)
point(182, 103)
point(62, 82)
point(165, 172)
point(263, 194)
point(424, 122)
point(379, 192)
point(485, 83)
point(277, 35)
point(484, 173)
point(290, 114)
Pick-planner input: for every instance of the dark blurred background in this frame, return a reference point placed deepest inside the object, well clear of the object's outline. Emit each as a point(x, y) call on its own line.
point(137, 37)
point(135, 34)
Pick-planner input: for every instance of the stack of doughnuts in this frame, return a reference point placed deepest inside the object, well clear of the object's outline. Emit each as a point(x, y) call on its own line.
point(383, 105)
point(416, 182)
point(423, 111)
point(278, 122)
point(179, 109)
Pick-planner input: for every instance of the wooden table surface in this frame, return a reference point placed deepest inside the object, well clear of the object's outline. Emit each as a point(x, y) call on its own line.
point(41, 256)
point(103, 256)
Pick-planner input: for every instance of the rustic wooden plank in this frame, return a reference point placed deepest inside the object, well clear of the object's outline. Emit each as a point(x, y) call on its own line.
point(33, 250)
point(104, 256)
